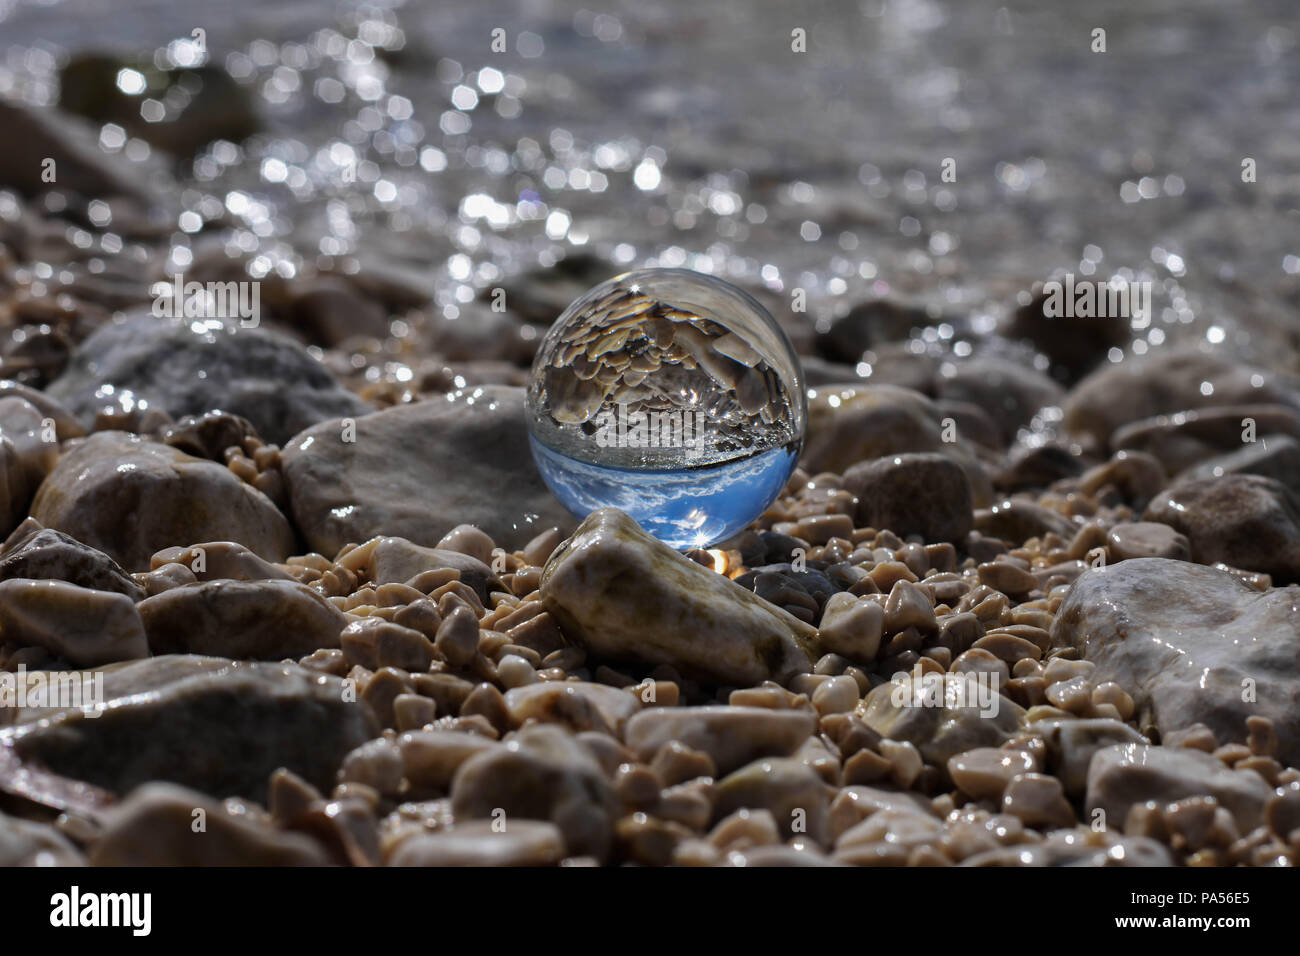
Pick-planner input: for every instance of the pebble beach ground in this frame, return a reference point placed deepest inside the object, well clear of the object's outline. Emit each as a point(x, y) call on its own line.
point(1030, 598)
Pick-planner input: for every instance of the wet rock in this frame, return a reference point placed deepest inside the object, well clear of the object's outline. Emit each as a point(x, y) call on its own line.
point(33, 435)
point(926, 494)
point(155, 826)
point(480, 334)
point(328, 311)
point(1009, 392)
point(1081, 846)
point(984, 772)
point(482, 843)
point(941, 714)
point(45, 554)
point(1162, 384)
point(1129, 774)
point(1038, 801)
point(184, 367)
point(129, 498)
point(578, 705)
point(625, 596)
point(248, 620)
point(430, 758)
point(1073, 344)
point(15, 486)
point(788, 789)
point(396, 561)
point(25, 843)
point(1016, 520)
point(220, 727)
point(1246, 521)
point(1188, 642)
point(867, 324)
point(1037, 467)
point(416, 471)
point(851, 627)
point(1273, 456)
point(541, 773)
point(853, 423)
point(220, 560)
point(81, 626)
point(208, 435)
point(730, 736)
point(539, 296)
point(1136, 476)
point(1146, 539)
point(1183, 439)
point(1071, 742)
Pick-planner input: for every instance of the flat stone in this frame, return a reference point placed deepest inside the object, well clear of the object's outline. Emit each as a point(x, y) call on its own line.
point(482, 843)
point(1186, 642)
point(129, 498)
point(1246, 521)
point(248, 620)
point(1128, 774)
point(1016, 520)
point(626, 596)
point(577, 705)
point(731, 736)
point(188, 367)
point(927, 494)
point(540, 773)
point(221, 727)
point(430, 758)
point(984, 772)
point(396, 561)
point(156, 826)
point(81, 626)
point(416, 471)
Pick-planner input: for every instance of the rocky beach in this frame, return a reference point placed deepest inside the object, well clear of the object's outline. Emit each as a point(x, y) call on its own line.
point(276, 556)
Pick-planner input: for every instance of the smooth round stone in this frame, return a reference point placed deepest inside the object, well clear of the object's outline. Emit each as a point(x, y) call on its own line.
point(1147, 539)
point(984, 772)
point(671, 395)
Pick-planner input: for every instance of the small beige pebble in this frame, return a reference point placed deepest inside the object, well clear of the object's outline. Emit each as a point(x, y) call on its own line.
point(909, 606)
point(1007, 578)
point(904, 761)
point(851, 627)
point(458, 637)
point(1038, 801)
point(514, 671)
point(836, 695)
point(467, 539)
point(1110, 693)
point(675, 763)
point(984, 772)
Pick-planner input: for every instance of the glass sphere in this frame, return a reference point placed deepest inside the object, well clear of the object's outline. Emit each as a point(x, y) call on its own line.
point(672, 395)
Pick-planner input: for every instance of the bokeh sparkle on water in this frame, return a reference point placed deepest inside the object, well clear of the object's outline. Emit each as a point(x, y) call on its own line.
point(671, 134)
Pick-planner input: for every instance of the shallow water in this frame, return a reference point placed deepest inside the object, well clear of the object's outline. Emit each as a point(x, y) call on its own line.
point(670, 133)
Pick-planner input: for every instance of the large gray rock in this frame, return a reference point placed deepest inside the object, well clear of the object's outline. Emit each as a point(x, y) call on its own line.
point(625, 596)
point(416, 471)
point(129, 497)
point(188, 367)
point(220, 727)
point(1189, 642)
point(1246, 521)
point(925, 494)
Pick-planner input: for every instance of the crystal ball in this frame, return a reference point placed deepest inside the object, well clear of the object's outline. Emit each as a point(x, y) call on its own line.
point(672, 395)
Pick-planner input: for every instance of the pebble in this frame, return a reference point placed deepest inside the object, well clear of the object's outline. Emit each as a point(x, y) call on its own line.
point(851, 627)
point(730, 736)
point(483, 843)
point(130, 498)
point(430, 758)
point(1038, 801)
point(984, 772)
point(623, 595)
point(1187, 641)
point(794, 795)
point(540, 773)
point(927, 494)
point(578, 705)
point(1146, 539)
point(942, 715)
point(249, 620)
point(27, 843)
point(419, 470)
